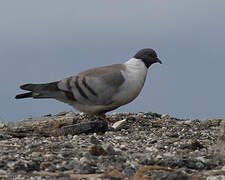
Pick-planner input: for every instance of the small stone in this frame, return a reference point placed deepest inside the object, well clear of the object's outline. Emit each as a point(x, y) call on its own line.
point(152, 149)
point(129, 171)
point(97, 150)
point(22, 165)
point(2, 125)
point(36, 154)
point(123, 147)
point(147, 160)
point(67, 145)
point(131, 119)
point(61, 113)
point(114, 174)
point(75, 137)
point(50, 157)
point(200, 165)
point(3, 164)
point(4, 137)
point(215, 178)
point(45, 165)
point(114, 114)
point(153, 141)
point(70, 114)
point(202, 159)
point(158, 157)
point(73, 164)
point(119, 124)
point(188, 122)
point(118, 137)
point(177, 175)
point(165, 116)
point(109, 149)
point(195, 144)
point(168, 154)
point(66, 154)
point(140, 114)
point(94, 140)
point(84, 160)
point(87, 169)
point(2, 172)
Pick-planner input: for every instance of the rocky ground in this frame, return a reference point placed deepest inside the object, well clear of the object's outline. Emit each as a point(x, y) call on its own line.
point(140, 146)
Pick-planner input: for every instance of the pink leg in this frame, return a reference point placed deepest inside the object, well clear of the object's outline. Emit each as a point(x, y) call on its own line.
point(104, 118)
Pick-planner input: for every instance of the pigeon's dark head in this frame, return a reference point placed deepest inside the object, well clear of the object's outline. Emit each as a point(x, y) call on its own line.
point(148, 56)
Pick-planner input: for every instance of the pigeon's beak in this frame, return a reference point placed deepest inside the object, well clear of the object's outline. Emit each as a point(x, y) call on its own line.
point(158, 60)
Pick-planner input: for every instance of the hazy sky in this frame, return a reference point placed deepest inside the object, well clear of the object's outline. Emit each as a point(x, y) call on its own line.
point(47, 40)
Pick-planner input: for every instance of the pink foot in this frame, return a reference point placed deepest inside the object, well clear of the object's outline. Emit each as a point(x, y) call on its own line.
point(104, 118)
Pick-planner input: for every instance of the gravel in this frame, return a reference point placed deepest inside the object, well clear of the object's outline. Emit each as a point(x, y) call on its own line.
point(141, 146)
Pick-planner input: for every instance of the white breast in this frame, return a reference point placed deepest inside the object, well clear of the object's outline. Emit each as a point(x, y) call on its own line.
point(135, 75)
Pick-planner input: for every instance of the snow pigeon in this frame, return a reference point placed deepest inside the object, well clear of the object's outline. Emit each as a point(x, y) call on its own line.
point(101, 89)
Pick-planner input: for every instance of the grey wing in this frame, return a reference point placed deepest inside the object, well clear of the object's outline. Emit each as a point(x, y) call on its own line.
point(95, 86)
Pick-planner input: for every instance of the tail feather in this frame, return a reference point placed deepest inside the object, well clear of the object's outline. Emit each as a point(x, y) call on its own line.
point(41, 87)
point(48, 90)
point(24, 95)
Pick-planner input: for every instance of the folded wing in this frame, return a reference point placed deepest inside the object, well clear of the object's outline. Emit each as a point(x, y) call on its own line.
point(96, 86)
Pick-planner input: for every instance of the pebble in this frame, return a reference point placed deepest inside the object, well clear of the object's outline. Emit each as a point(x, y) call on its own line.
point(165, 116)
point(97, 150)
point(220, 177)
point(84, 160)
point(118, 137)
point(67, 145)
point(188, 122)
point(168, 154)
point(94, 140)
point(123, 147)
point(45, 165)
point(146, 139)
point(109, 149)
point(2, 125)
point(36, 154)
point(147, 159)
point(119, 124)
point(152, 149)
point(2, 172)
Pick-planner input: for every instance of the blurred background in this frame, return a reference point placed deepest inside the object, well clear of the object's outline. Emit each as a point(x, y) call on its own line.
point(43, 41)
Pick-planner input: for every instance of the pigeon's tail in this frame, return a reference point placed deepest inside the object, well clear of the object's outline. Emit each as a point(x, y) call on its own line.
point(24, 95)
point(48, 90)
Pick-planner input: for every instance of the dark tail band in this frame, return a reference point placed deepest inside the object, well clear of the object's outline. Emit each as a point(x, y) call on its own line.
point(25, 95)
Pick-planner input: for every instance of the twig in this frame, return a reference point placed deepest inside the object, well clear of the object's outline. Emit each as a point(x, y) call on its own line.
point(45, 173)
point(9, 145)
point(4, 177)
point(140, 172)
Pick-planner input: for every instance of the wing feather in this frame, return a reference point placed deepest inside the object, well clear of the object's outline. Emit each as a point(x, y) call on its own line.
point(95, 86)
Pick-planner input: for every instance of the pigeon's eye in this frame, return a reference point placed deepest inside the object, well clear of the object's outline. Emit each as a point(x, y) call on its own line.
point(151, 55)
